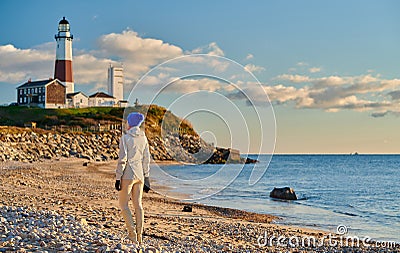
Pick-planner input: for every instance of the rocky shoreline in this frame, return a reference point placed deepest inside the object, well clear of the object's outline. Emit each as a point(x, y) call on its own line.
point(31, 145)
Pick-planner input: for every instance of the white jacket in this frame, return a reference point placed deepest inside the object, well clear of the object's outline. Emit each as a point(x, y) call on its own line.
point(134, 156)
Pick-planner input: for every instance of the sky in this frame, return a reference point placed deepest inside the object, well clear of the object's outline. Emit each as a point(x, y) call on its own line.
point(330, 68)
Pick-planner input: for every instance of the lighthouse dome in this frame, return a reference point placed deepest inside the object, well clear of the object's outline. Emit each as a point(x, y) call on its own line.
point(63, 25)
point(63, 21)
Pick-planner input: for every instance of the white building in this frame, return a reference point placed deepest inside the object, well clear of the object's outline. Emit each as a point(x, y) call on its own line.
point(101, 99)
point(115, 82)
point(77, 100)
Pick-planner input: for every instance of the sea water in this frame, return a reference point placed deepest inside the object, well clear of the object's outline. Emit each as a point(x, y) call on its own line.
point(359, 191)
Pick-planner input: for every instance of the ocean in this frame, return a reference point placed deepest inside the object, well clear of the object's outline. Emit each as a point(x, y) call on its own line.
point(358, 191)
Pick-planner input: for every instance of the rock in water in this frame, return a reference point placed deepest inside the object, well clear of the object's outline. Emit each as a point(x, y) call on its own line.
point(285, 193)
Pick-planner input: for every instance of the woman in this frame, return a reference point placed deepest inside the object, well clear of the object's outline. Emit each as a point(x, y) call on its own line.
point(132, 174)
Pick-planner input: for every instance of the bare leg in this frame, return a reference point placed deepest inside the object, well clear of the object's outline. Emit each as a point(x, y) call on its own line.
point(124, 196)
point(137, 193)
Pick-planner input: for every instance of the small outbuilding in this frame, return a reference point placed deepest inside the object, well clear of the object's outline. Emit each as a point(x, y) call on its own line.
point(101, 99)
point(77, 100)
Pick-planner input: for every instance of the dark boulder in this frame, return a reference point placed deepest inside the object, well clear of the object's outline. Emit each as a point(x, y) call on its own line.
point(249, 161)
point(285, 193)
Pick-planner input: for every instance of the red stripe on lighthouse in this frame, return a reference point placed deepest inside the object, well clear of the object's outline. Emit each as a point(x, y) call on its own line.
point(63, 70)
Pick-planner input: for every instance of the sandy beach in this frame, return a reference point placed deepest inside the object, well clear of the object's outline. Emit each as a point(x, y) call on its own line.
point(61, 205)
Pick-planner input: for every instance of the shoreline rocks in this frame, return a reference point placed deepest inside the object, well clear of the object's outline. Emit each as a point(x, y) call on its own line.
point(285, 193)
point(31, 145)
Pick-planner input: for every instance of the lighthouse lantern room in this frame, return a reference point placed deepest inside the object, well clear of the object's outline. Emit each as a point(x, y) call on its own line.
point(63, 65)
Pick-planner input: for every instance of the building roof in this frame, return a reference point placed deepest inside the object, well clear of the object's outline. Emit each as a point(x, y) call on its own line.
point(39, 83)
point(100, 95)
point(71, 95)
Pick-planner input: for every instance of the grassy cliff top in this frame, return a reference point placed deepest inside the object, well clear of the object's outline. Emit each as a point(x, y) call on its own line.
point(157, 117)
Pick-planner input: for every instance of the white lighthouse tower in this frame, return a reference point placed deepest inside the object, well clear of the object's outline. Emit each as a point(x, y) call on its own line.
point(116, 82)
point(63, 67)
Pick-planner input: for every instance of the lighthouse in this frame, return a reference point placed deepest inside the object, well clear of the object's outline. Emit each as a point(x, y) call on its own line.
point(63, 67)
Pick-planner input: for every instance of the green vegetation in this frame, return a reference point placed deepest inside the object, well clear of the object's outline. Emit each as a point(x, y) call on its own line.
point(156, 117)
point(20, 115)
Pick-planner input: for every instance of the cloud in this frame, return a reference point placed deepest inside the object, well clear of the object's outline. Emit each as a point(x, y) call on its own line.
point(193, 85)
point(282, 94)
point(254, 68)
point(294, 78)
point(331, 80)
point(17, 65)
point(249, 56)
point(129, 46)
point(138, 54)
point(89, 69)
point(314, 70)
point(211, 49)
point(333, 93)
point(302, 64)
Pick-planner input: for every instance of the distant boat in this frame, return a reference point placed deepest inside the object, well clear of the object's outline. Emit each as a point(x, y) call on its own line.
point(355, 153)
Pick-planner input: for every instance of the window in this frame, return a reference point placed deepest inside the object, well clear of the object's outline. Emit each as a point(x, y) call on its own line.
point(40, 99)
point(24, 99)
point(20, 100)
point(20, 92)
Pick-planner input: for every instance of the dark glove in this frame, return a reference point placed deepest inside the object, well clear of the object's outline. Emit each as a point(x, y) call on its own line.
point(146, 186)
point(118, 185)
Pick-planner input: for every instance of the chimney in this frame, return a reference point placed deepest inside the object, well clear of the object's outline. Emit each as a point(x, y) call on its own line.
point(30, 80)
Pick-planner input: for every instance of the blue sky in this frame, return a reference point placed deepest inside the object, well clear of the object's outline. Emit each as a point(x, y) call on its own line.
point(330, 68)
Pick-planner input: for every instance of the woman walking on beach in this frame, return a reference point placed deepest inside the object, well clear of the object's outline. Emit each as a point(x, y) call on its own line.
point(132, 174)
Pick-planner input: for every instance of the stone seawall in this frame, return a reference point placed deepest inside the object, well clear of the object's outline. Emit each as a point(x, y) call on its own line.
point(30, 145)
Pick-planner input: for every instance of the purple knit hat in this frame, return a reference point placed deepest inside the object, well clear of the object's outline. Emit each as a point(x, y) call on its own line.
point(135, 119)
